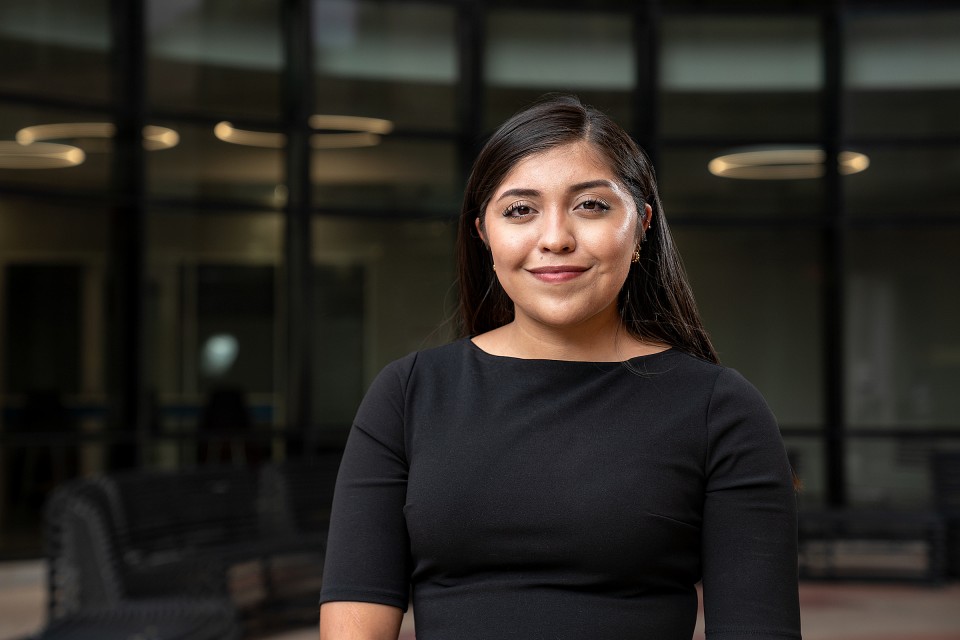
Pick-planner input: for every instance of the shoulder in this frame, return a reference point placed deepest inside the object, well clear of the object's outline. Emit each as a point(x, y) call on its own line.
point(397, 374)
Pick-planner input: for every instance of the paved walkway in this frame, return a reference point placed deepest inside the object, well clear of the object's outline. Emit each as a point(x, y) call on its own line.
point(830, 611)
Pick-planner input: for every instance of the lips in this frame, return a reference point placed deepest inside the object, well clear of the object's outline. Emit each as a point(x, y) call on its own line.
point(560, 273)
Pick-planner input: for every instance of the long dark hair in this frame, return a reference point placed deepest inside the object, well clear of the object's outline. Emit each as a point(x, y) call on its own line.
point(655, 303)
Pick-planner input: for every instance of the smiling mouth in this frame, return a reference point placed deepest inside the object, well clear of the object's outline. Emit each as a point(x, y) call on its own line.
point(561, 273)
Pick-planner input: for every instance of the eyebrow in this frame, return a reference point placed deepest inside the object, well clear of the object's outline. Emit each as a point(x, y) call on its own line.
point(532, 193)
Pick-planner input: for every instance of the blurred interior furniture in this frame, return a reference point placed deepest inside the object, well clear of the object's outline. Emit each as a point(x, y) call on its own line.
point(946, 496)
point(159, 619)
point(872, 544)
point(886, 544)
point(225, 425)
point(34, 471)
point(251, 539)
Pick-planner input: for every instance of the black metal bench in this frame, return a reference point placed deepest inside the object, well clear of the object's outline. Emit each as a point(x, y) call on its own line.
point(162, 619)
point(861, 544)
point(251, 539)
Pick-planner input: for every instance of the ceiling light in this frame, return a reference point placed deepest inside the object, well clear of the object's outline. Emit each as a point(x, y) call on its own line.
point(38, 155)
point(350, 123)
point(226, 132)
point(352, 131)
point(776, 163)
point(154, 137)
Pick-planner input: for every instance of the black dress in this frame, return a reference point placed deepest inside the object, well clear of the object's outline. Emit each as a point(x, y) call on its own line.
point(553, 499)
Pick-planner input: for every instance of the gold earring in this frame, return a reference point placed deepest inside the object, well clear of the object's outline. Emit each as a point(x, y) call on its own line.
point(494, 266)
point(636, 255)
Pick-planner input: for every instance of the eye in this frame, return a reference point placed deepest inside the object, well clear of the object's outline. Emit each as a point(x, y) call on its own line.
point(519, 209)
point(593, 204)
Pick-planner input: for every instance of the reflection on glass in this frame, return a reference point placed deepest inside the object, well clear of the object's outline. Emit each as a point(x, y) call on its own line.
point(88, 171)
point(689, 189)
point(212, 311)
point(891, 472)
point(384, 288)
point(748, 76)
point(56, 48)
point(759, 293)
point(906, 182)
point(202, 166)
point(53, 333)
point(386, 60)
point(210, 56)
point(902, 312)
point(417, 177)
point(903, 74)
point(529, 53)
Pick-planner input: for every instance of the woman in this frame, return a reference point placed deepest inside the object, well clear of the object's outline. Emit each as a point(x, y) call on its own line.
point(577, 461)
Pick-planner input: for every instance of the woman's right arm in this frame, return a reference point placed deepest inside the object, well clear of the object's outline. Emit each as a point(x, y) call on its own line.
point(359, 621)
point(366, 576)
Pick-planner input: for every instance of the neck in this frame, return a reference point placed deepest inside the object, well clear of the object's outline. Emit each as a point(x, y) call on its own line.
point(599, 339)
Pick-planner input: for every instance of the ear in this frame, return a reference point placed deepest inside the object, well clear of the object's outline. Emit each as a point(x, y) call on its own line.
point(647, 217)
point(479, 226)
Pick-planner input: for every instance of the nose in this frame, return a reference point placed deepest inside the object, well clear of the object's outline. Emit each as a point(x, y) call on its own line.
point(557, 234)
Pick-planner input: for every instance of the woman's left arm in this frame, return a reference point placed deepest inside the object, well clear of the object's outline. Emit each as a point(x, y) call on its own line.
point(749, 543)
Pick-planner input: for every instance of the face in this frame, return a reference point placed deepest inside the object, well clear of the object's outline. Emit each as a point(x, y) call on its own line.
point(562, 232)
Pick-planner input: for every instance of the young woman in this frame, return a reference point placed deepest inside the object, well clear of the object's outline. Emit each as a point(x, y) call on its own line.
point(578, 461)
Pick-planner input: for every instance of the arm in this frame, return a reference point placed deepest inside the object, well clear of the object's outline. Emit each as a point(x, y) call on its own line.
point(749, 543)
point(366, 575)
point(359, 621)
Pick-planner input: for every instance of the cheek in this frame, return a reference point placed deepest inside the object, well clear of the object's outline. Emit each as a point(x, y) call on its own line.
point(615, 241)
point(508, 246)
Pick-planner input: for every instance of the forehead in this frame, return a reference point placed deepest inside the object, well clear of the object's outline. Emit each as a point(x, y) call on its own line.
point(567, 163)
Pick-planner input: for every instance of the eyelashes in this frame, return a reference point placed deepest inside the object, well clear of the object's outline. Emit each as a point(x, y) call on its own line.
point(518, 209)
point(522, 209)
point(594, 204)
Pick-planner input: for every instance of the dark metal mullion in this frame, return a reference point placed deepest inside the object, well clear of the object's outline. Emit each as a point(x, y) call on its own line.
point(471, 38)
point(127, 290)
point(297, 104)
point(833, 241)
point(646, 92)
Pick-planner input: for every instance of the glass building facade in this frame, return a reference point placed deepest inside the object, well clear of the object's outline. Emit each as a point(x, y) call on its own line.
point(219, 220)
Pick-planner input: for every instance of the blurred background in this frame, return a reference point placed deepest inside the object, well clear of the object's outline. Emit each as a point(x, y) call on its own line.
point(220, 218)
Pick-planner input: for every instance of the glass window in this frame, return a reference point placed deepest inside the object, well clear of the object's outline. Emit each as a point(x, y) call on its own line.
point(215, 56)
point(384, 289)
point(906, 181)
point(74, 147)
point(399, 175)
point(395, 61)
point(213, 323)
point(530, 53)
point(759, 293)
point(52, 356)
point(903, 74)
point(56, 48)
point(202, 166)
point(902, 313)
point(892, 471)
point(747, 76)
point(689, 188)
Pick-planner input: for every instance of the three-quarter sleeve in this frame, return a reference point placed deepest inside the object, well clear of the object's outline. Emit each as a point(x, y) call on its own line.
point(749, 535)
point(368, 549)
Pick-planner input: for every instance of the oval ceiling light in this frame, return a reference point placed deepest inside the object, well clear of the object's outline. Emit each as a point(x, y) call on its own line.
point(226, 132)
point(39, 155)
point(324, 122)
point(154, 137)
point(351, 132)
point(776, 163)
